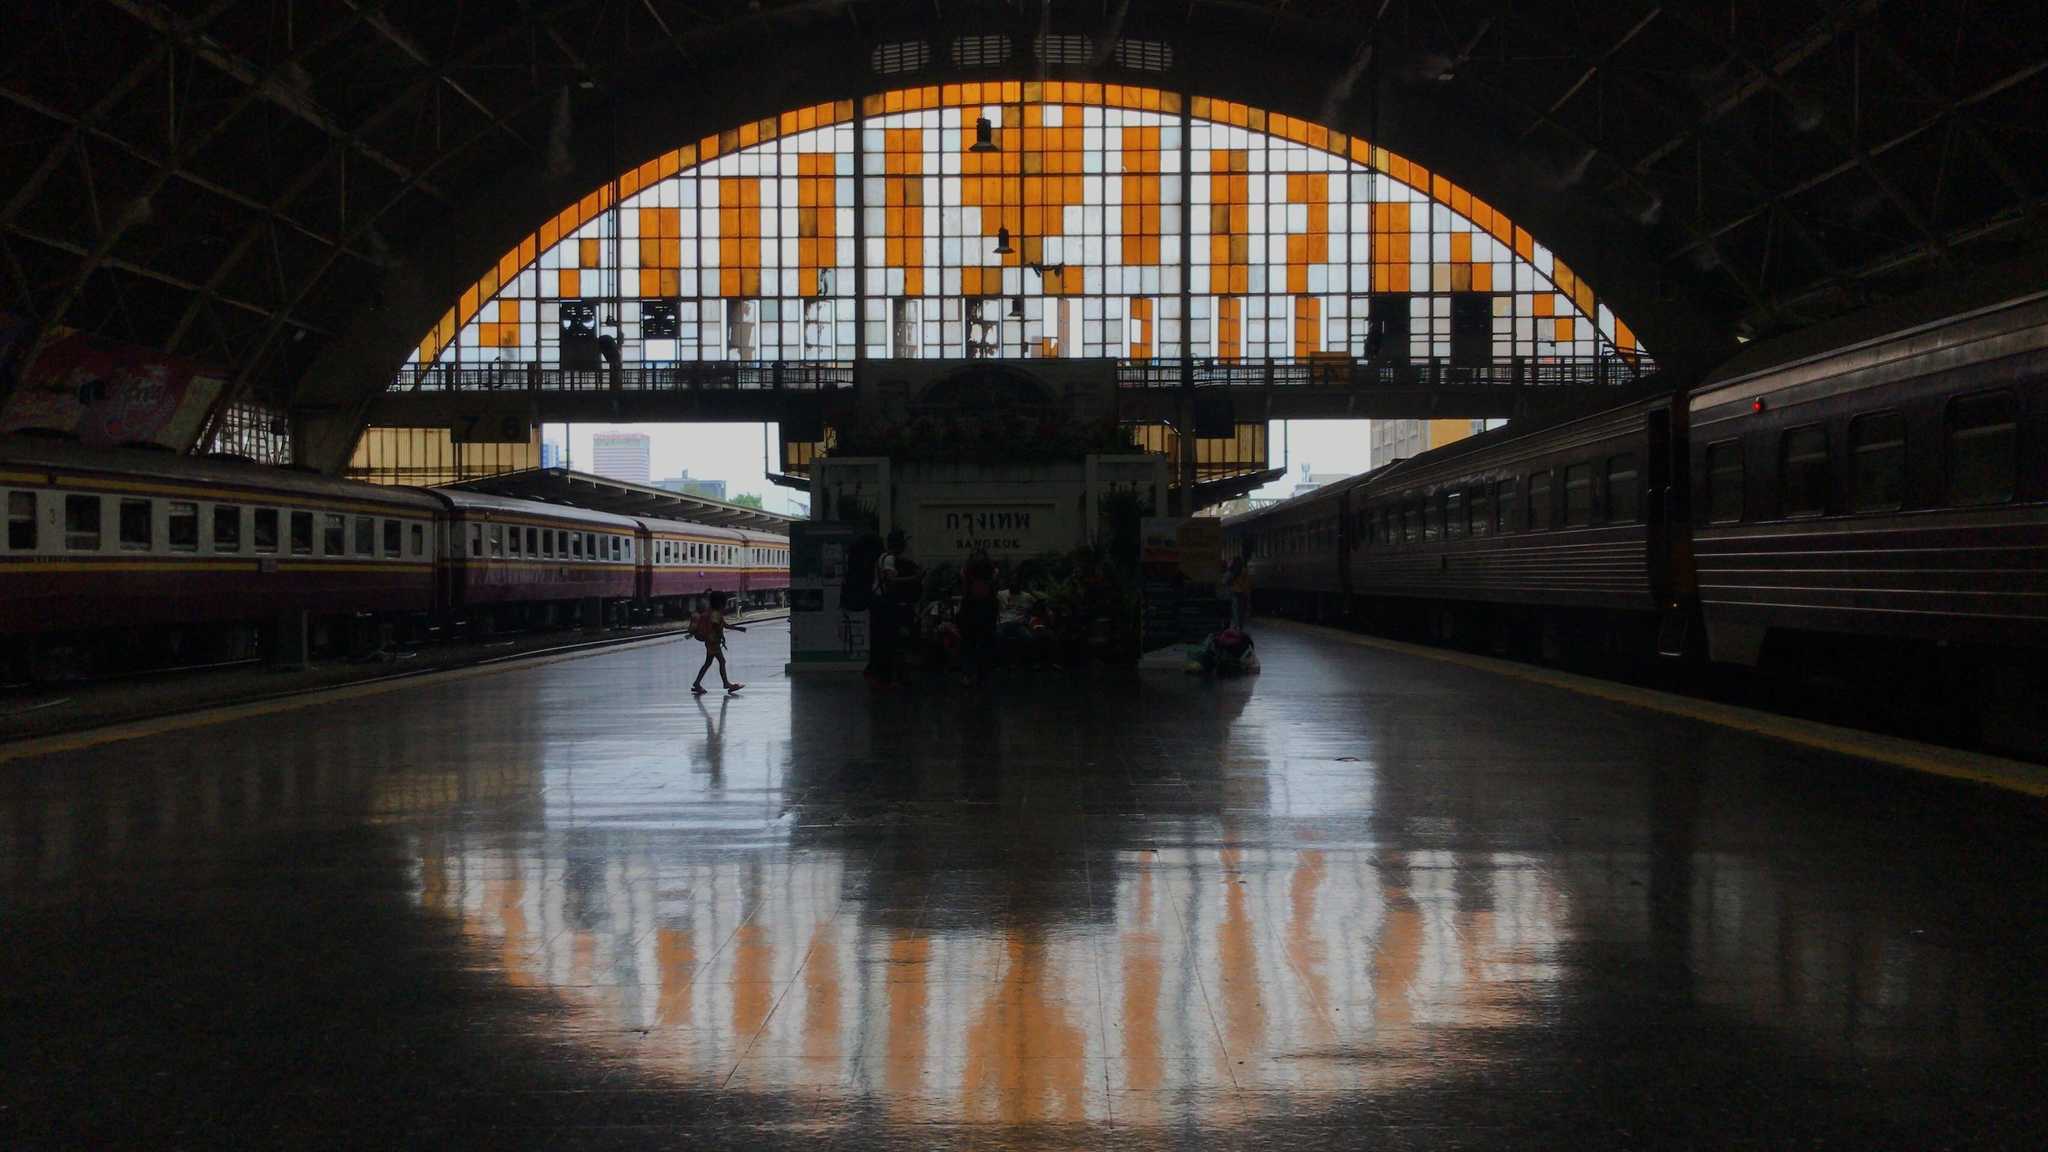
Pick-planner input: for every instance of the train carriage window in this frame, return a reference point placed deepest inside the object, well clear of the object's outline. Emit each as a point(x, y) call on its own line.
point(1454, 515)
point(366, 536)
point(1724, 482)
point(476, 540)
point(263, 529)
point(227, 528)
point(1504, 506)
point(21, 521)
point(1877, 462)
point(512, 540)
point(1803, 471)
point(419, 541)
point(302, 533)
point(82, 523)
point(1624, 489)
point(533, 541)
point(1542, 510)
point(137, 525)
point(1983, 448)
point(394, 537)
point(1482, 510)
point(334, 534)
point(1388, 525)
point(497, 538)
point(1578, 495)
point(590, 545)
point(181, 523)
point(575, 545)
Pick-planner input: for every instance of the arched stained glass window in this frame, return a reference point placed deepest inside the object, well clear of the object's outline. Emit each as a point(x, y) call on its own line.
point(1080, 220)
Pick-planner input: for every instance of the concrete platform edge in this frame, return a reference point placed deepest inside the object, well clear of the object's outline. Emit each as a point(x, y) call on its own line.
point(1930, 759)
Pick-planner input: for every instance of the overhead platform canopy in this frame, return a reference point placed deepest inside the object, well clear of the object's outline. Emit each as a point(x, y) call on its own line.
point(603, 494)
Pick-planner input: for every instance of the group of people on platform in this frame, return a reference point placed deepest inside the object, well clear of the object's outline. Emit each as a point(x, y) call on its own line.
point(920, 624)
point(994, 617)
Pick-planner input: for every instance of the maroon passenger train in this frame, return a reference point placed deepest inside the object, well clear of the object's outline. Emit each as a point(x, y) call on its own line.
point(135, 557)
point(1882, 506)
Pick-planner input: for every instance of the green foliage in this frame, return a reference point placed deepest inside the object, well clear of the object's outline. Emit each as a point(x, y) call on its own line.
point(747, 500)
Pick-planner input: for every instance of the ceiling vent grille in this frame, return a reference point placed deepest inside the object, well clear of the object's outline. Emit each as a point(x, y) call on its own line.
point(980, 51)
point(1145, 55)
point(1066, 48)
point(900, 56)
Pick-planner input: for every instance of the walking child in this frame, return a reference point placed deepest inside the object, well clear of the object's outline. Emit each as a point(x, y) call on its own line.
point(709, 626)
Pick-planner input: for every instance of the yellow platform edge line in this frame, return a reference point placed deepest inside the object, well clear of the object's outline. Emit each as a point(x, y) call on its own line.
point(1930, 759)
point(222, 714)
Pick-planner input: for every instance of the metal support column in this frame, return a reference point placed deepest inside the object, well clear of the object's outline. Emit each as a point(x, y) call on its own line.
point(1186, 407)
point(860, 237)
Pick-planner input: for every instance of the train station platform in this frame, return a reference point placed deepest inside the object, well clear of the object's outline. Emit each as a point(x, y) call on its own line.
point(1367, 899)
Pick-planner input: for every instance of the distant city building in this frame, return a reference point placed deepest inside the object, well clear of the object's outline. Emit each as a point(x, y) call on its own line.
point(709, 489)
point(551, 455)
point(1391, 440)
point(622, 456)
point(1311, 480)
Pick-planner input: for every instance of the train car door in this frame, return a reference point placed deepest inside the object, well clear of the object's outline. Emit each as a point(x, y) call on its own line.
point(1346, 537)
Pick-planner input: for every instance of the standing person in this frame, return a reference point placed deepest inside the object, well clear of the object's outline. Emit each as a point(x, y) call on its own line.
point(884, 612)
point(978, 610)
point(709, 626)
point(1238, 579)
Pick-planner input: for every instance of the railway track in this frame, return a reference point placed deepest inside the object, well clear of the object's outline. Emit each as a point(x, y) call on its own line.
point(38, 718)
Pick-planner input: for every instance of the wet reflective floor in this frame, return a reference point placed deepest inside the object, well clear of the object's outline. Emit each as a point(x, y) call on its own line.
point(1363, 900)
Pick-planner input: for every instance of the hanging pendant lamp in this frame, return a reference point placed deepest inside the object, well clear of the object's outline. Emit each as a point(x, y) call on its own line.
point(984, 136)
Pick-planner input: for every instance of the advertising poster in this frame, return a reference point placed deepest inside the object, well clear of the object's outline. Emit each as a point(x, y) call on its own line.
point(1181, 559)
point(822, 635)
point(110, 395)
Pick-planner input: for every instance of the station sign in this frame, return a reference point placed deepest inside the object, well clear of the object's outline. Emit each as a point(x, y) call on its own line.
point(949, 529)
